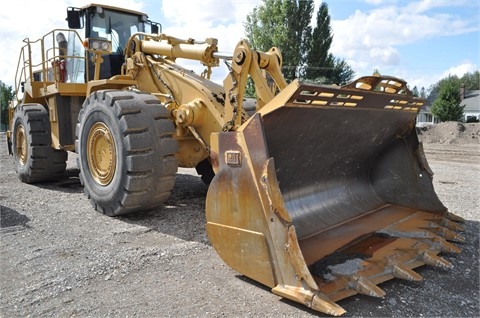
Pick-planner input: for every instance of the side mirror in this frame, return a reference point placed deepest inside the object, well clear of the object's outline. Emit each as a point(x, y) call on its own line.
point(156, 28)
point(74, 18)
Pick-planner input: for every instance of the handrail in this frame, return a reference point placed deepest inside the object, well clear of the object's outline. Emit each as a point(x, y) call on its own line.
point(38, 63)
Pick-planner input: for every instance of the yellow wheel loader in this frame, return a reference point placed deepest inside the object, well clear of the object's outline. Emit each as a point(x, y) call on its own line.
point(319, 192)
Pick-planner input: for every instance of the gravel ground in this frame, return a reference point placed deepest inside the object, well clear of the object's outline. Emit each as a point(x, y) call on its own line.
point(60, 258)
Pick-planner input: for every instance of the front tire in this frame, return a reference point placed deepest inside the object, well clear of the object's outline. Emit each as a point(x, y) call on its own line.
point(126, 151)
point(35, 159)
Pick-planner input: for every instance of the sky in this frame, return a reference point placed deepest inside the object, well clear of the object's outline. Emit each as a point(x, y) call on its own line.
point(418, 41)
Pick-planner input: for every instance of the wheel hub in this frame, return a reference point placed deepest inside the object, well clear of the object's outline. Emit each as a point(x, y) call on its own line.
point(101, 155)
point(21, 148)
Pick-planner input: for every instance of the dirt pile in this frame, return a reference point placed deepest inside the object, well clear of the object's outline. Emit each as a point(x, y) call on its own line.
point(450, 133)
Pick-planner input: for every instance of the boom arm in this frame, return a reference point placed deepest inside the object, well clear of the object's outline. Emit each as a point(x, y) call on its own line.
point(245, 62)
point(198, 105)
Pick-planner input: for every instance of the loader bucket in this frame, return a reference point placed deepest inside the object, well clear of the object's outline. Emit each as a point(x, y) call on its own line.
point(325, 193)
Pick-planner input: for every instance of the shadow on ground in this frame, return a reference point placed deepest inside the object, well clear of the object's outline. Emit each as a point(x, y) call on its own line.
point(182, 215)
point(11, 220)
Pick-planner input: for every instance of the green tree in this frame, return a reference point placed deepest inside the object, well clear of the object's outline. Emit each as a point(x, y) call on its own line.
point(342, 73)
point(6, 95)
point(471, 81)
point(286, 25)
point(415, 91)
point(321, 65)
point(423, 93)
point(435, 88)
point(319, 60)
point(447, 104)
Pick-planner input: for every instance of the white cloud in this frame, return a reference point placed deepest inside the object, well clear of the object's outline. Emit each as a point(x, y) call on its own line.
point(220, 19)
point(376, 35)
point(426, 80)
point(374, 2)
point(426, 5)
point(460, 70)
point(205, 14)
point(387, 55)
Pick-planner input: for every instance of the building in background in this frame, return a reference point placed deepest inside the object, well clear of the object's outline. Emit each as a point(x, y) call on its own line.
point(469, 99)
point(471, 102)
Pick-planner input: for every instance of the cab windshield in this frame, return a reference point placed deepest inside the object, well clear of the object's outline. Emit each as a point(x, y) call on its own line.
point(115, 26)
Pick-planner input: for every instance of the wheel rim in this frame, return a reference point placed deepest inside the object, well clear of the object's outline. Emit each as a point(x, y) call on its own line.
point(21, 148)
point(101, 155)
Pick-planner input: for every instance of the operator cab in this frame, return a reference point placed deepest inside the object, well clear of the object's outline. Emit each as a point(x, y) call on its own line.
point(108, 27)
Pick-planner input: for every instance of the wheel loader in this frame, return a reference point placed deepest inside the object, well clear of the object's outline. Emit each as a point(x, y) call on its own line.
point(319, 192)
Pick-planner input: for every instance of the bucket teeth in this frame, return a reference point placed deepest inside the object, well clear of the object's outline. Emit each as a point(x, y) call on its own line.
point(316, 300)
point(451, 225)
point(327, 306)
point(445, 233)
point(449, 235)
point(455, 218)
point(364, 286)
point(432, 259)
point(445, 246)
point(402, 272)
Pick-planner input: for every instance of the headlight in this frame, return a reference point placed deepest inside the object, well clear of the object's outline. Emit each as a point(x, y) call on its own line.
point(99, 45)
point(105, 46)
point(95, 45)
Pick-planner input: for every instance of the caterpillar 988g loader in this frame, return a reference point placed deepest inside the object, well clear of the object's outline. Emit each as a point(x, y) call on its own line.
point(320, 192)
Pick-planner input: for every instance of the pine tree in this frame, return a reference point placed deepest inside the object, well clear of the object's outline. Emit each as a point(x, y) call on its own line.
point(6, 95)
point(286, 25)
point(415, 91)
point(447, 104)
point(319, 60)
point(423, 93)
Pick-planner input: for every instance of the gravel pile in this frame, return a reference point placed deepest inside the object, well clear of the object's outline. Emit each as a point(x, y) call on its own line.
point(450, 133)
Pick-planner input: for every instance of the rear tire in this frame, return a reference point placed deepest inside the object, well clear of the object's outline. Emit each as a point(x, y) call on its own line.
point(126, 151)
point(35, 159)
